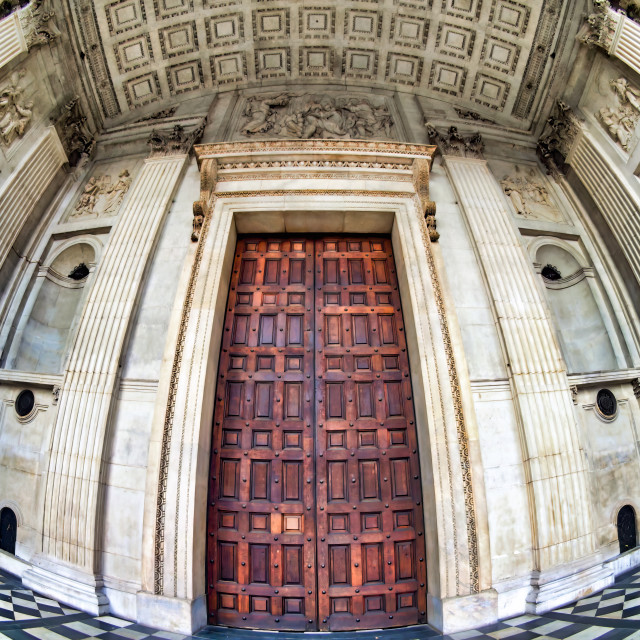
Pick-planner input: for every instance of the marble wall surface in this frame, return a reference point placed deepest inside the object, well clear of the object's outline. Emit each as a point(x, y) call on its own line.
point(525, 406)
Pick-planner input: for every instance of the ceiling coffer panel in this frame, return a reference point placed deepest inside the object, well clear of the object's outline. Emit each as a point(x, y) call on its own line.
point(481, 54)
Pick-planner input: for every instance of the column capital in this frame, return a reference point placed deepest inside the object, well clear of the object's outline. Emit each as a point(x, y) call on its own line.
point(453, 143)
point(176, 141)
point(600, 27)
point(558, 137)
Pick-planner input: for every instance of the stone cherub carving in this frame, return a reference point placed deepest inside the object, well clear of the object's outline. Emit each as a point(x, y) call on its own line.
point(101, 197)
point(15, 112)
point(620, 121)
point(309, 116)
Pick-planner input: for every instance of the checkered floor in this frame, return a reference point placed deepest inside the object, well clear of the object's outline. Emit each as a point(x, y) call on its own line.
point(612, 614)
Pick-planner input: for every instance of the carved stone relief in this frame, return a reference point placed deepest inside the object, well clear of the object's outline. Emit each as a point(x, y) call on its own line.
point(15, 112)
point(621, 119)
point(306, 116)
point(529, 196)
point(102, 195)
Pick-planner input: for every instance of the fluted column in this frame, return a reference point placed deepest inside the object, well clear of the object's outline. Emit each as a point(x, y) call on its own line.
point(12, 40)
point(553, 459)
point(618, 203)
point(71, 508)
point(29, 180)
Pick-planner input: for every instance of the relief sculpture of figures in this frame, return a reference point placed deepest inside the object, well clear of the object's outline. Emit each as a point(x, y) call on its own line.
point(101, 197)
point(529, 197)
point(315, 116)
point(15, 113)
point(620, 121)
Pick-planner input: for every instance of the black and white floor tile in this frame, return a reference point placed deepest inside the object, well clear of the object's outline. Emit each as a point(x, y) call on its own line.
point(613, 614)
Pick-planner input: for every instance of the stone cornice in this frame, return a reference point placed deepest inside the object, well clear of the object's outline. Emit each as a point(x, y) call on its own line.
point(351, 148)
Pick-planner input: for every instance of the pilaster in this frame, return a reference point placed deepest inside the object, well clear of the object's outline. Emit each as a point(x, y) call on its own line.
point(552, 455)
point(26, 185)
point(67, 566)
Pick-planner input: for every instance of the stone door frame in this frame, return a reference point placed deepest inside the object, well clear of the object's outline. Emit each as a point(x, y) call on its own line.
point(315, 201)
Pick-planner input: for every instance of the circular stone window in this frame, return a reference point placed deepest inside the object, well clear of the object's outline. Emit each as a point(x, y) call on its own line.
point(606, 404)
point(25, 403)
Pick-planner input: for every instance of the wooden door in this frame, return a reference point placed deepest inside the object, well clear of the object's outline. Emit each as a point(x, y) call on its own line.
point(370, 543)
point(262, 504)
point(315, 516)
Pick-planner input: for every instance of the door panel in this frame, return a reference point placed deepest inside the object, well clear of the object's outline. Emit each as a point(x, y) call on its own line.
point(262, 504)
point(315, 516)
point(371, 571)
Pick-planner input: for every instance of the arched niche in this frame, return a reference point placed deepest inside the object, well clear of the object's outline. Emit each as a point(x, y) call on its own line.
point(51, 311)
point(583, 323)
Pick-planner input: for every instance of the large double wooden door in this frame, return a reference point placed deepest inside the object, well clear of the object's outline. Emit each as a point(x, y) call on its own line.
point(315, 518)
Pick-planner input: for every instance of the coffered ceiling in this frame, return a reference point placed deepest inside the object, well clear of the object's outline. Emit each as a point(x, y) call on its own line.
point(492, 57)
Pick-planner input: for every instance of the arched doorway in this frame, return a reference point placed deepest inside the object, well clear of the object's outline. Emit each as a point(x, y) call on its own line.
point(8, 530)
point(627, 536)
point(315, 514)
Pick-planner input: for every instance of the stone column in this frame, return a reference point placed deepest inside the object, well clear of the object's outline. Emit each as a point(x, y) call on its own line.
point(66, 568)
point(612, 30)
point(553, 458)
point(21, 192)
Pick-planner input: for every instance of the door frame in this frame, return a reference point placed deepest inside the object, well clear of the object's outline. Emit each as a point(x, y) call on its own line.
point(456, 533)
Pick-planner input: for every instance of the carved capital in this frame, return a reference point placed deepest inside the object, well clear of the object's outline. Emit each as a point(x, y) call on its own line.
point(453, 143)
point(558, 137)
point(37, 24)
point(77, 139)
point(174, 142)
point(635, 384)
point(600, 27)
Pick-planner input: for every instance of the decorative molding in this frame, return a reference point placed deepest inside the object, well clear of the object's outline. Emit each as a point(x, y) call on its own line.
point(257, 147)
point(15, 376)
point(454, 144)
point(87, 22)
point(466, 114)
point(176, 141)
point(461, 429)
point(539, 58)
point(165, 447)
